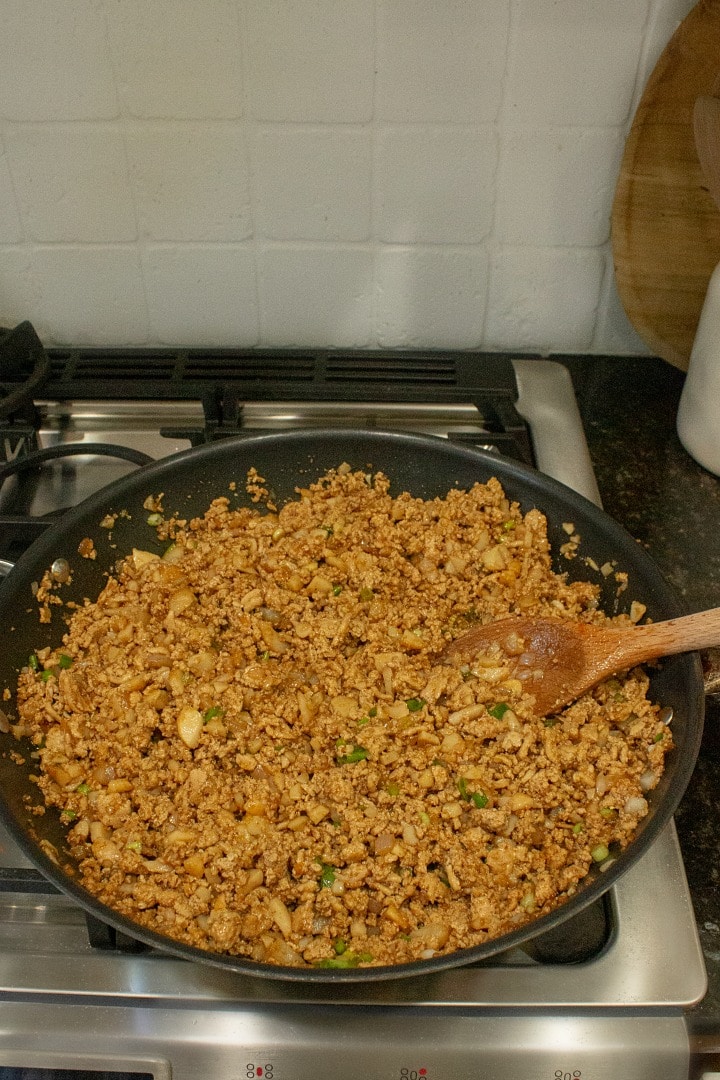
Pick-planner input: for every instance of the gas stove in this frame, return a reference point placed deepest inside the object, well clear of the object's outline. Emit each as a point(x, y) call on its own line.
point(606, 995)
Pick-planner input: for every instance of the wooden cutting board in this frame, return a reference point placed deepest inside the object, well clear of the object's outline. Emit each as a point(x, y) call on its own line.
point(665, 225)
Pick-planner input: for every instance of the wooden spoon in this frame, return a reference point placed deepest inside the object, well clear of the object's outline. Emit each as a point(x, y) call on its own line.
point(563, 659)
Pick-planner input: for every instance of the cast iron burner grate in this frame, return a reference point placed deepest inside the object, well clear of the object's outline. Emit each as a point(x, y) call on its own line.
point(225, 381)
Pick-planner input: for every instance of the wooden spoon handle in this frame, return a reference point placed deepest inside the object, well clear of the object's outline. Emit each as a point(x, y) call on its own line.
point(689, 632)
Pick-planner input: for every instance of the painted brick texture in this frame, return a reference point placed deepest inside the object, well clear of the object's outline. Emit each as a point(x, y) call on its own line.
point(340, 173)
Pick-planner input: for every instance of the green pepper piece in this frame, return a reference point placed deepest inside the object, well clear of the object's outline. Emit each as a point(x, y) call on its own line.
point(359, 753)
point(348, 959)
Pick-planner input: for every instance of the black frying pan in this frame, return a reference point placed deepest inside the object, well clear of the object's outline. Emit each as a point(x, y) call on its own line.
point(424, 466)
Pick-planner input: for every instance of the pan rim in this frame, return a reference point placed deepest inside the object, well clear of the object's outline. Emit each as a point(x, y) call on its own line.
point(142, 478)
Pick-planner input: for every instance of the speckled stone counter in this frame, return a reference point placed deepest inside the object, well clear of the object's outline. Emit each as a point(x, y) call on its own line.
point(672, 506)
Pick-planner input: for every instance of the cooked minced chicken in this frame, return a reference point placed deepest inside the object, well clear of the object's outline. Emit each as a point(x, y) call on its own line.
point(257, 752)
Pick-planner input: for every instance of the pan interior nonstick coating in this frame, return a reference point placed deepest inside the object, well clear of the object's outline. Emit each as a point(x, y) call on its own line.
point(426, 467)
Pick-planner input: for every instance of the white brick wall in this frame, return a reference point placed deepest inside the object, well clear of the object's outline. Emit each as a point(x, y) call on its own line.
point(390, 173)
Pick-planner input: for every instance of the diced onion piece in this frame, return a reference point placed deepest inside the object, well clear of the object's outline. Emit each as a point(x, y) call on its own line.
point(174, 554)
point(272, 639)
point(433, 935)
point(280, 915)
point(648, 780)
point(181, 600)
point(189, 726)
point(141, 558)
point(637, 610)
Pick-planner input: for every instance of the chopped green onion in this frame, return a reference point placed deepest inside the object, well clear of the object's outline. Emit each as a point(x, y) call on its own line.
point(358, 753)
point(499, 710)
point(478, 798)
point(337, 589)
point(65, 661)
point(578, 828)
point(33, 662)
point(424, 818)
point(608, 812)
point(393, 789)
point(659, 737)
point(69, 815)
point(83, 789)
point(213, 712)
point(327, 875)
point(509, 525)
point(372, 712)
point(363, 721)
point(154, 519)
point(366, 595)
point(550, 721)
point(339, 946)
point(134, 845)
point(265, 655)
point(415, 704)
point(46, 675)
point(600, 852)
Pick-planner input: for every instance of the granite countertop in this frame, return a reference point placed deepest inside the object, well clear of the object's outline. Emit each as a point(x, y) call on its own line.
point(671, 505)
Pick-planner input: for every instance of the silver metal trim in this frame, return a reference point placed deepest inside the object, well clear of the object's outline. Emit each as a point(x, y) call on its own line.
point(304, 1044)
point(547, 402)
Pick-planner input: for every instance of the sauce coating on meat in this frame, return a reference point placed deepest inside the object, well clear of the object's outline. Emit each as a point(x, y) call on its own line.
point(256, 751)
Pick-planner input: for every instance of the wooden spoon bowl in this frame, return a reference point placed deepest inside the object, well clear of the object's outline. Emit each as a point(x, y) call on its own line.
point(559, 660)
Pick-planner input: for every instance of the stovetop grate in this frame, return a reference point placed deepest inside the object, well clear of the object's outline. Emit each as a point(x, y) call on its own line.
point(224, 380)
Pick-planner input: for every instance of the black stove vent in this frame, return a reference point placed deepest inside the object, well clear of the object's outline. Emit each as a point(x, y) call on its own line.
point(278, 374)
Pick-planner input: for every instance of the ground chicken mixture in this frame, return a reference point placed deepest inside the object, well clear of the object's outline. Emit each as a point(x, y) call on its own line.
point(257, 752)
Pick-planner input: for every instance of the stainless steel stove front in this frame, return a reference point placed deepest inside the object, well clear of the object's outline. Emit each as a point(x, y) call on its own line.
point(66, 1006)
